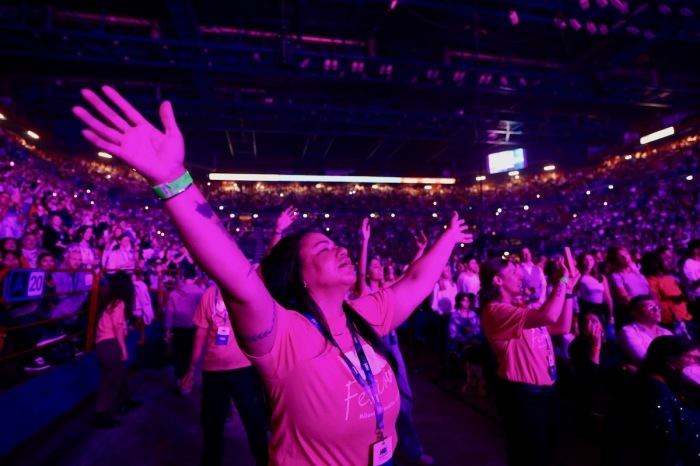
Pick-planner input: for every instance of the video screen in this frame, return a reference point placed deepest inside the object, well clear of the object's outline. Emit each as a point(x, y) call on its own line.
point(508, 160)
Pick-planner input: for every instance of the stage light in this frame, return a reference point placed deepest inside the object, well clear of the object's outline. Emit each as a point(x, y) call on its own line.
point(146, 207)
point(282, 178)
point(506, 253)
point(255, 215)
point(592, 29)
point(514, 173)
point(393, 4)
point(628, 157)
point(481, 178)
point(434, 215)
point(231, 215)
point(538, 196)
point(603, 29)
point(575, 25)
point(588, 193)
point(32, 134)
point(393, 215)
point(104, 155)
point(221, 207)
point(513, 15)
point(657, 135)
point(610, 186)
point(664, 9)
point(605, 203)
point(305, 215)
point(2, 117)
point(585, 4)
point(526, 207)
point(327, 215)
point(549, 168)
point(689, 177)
point(500, 210)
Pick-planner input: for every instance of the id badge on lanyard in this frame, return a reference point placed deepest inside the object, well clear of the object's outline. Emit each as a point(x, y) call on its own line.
point(222, 334)
point(382, 450)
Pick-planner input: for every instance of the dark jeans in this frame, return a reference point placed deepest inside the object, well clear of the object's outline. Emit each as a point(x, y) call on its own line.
point(245, 387)
point(531, 422)
point(113, 386)
point(183, 340)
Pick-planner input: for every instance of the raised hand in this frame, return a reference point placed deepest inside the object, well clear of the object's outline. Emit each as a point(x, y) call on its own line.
point(157, 155)
point(286, 218)
point(421, 240)
point(366, 229)
point(458, 229)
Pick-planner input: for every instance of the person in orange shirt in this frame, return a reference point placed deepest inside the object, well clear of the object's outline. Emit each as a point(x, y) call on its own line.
point(110, 348)
point(656, 267)
point(519, 334)
point(227, 374)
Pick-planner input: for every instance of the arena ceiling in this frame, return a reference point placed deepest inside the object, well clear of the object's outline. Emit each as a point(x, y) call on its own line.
point(374, 86)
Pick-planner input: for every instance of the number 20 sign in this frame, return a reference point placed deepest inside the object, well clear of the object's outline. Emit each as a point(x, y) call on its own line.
point(24, 284)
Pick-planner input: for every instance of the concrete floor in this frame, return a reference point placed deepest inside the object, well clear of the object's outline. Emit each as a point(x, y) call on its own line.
point(455, 429)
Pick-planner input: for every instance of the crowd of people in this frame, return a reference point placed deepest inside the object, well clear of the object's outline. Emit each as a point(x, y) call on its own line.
point(525, 323)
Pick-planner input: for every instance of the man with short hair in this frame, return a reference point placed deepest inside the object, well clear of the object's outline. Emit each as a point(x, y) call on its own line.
point(70, 282)
point(468, 280)
point(179, 321)
point(29, 247)
point(635, 338)
point(534, 281)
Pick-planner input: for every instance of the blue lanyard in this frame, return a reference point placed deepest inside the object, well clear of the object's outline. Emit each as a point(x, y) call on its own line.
point(369, 386)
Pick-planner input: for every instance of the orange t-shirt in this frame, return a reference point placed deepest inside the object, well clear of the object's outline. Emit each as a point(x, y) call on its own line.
point(110, 320)
point(663, 288)
point(212, 315)
point(320, 414)
point(523, 354)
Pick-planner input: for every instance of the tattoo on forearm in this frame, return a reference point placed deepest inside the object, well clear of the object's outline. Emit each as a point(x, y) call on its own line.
point(266, 333)
point(204, 210)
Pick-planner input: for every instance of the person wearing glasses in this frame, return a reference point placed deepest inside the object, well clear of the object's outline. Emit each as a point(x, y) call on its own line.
point(635, 338)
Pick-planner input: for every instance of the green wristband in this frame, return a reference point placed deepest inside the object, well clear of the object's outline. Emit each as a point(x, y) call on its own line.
point(564, 280)
point(167, 190)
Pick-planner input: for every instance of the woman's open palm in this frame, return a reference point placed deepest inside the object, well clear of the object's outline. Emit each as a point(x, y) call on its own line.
point(157, 155)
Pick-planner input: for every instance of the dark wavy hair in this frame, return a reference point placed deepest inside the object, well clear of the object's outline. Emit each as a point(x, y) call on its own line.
point(614, 260)
point(121, 288)
point(281, 272)
point(581, 266)
point(488, 271)
point(78, 236)
point(663, 350)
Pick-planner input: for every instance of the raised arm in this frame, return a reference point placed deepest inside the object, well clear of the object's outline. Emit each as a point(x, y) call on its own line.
point(421, 244)
point(160, 156)
point(361, 283)
point(421, 276)
point(283, 222)
point(553, 309)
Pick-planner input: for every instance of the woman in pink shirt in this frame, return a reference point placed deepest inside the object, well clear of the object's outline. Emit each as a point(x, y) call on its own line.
point(110, 348)
point(333, 391)
point(520, 336)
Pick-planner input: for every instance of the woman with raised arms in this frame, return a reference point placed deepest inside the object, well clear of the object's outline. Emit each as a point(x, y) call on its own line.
point(330, 379)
